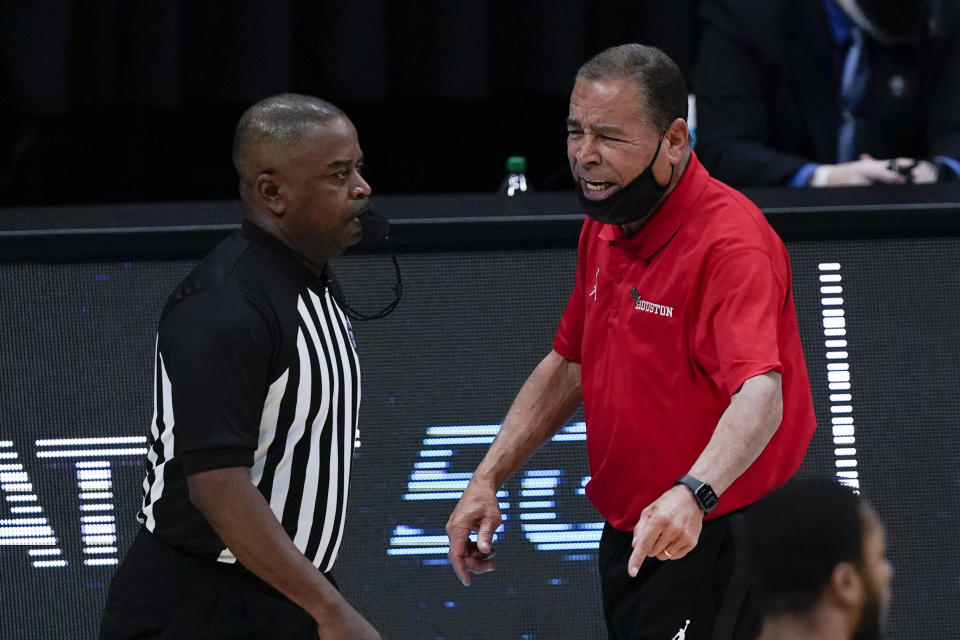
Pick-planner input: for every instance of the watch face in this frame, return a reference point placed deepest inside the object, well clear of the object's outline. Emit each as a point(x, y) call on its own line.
point(707, 498)
point(702, 492)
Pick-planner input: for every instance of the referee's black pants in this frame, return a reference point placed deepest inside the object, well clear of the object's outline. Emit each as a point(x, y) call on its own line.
point(161, 593)
point(703, 596)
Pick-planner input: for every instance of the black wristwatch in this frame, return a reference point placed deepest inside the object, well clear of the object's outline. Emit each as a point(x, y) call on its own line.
point(703, 493)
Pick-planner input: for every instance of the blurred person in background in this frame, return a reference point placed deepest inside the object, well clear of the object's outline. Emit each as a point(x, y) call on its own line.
point(829, 92)
point(816, 552)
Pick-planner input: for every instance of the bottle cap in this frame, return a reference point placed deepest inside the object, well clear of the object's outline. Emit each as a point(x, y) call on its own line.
point(516, 164)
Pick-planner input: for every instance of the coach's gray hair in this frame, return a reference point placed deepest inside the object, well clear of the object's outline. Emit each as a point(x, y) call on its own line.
point(663, 91)
point(278, 119)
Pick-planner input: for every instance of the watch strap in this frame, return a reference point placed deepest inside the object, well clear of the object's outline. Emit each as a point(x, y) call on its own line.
point(703, 493)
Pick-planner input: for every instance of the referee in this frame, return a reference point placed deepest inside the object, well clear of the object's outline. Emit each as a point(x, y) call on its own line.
point(256, 394)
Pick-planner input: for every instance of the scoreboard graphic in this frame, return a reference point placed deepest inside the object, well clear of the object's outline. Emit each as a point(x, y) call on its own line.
point(882, 343)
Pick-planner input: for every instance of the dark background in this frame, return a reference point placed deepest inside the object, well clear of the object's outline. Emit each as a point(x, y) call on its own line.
point(136, 100)
point(78, 337)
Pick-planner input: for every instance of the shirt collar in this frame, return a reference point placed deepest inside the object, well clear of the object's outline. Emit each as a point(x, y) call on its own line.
point(290, 261)
point(668, 219)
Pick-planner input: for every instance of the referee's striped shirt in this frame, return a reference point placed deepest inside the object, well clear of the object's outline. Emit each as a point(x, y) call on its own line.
point(256, 367)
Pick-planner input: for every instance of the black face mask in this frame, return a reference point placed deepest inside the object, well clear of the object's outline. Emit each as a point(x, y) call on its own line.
point(376, 227)
point(633, 202)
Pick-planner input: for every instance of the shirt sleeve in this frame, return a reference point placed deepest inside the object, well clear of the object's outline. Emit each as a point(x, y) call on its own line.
point(214, 351)
point(950, 171)
point(570, 332)
point(802, 177)
point(736, 336)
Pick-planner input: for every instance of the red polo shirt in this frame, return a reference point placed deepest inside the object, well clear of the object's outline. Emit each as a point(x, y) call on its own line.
point(668, 324)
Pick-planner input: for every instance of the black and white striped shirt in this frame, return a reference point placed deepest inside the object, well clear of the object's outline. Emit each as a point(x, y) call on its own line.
point(255, 366)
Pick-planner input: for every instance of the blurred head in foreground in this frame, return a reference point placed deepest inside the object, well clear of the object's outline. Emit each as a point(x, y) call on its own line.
point(817, 555)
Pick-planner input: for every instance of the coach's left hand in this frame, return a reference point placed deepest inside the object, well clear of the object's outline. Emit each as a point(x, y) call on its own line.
point(668, 529)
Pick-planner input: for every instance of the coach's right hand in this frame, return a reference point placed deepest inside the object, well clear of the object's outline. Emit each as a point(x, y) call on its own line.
point(477, 510)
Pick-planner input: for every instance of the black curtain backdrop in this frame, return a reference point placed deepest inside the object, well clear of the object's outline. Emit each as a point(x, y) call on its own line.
point(135, 100)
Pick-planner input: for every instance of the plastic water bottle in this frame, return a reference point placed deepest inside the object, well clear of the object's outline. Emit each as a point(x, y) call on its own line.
point(514, 188)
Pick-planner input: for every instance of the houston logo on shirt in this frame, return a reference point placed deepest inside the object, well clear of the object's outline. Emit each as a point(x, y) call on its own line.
point(650, 307)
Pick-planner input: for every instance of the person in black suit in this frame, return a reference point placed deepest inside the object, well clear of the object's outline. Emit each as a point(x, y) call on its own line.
point(828, 92)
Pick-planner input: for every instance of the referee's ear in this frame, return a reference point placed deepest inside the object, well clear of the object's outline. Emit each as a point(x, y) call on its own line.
point(269, 193)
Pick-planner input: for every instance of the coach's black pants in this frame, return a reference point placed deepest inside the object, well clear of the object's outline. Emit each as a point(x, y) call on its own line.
point(706, 587)
point(161, 593)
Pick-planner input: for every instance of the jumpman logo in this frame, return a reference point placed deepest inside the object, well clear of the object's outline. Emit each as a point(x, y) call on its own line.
point(682, 634)
point(596, 277)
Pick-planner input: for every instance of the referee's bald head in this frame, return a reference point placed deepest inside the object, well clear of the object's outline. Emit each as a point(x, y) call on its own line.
point(267, 129)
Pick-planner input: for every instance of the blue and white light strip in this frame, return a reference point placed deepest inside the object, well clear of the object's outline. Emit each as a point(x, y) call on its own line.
point(838, 375)
point(538, 517)
point(30, 528)
point(409, 541)
point(92, 447)
point(98, 529)
point(432, 480)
